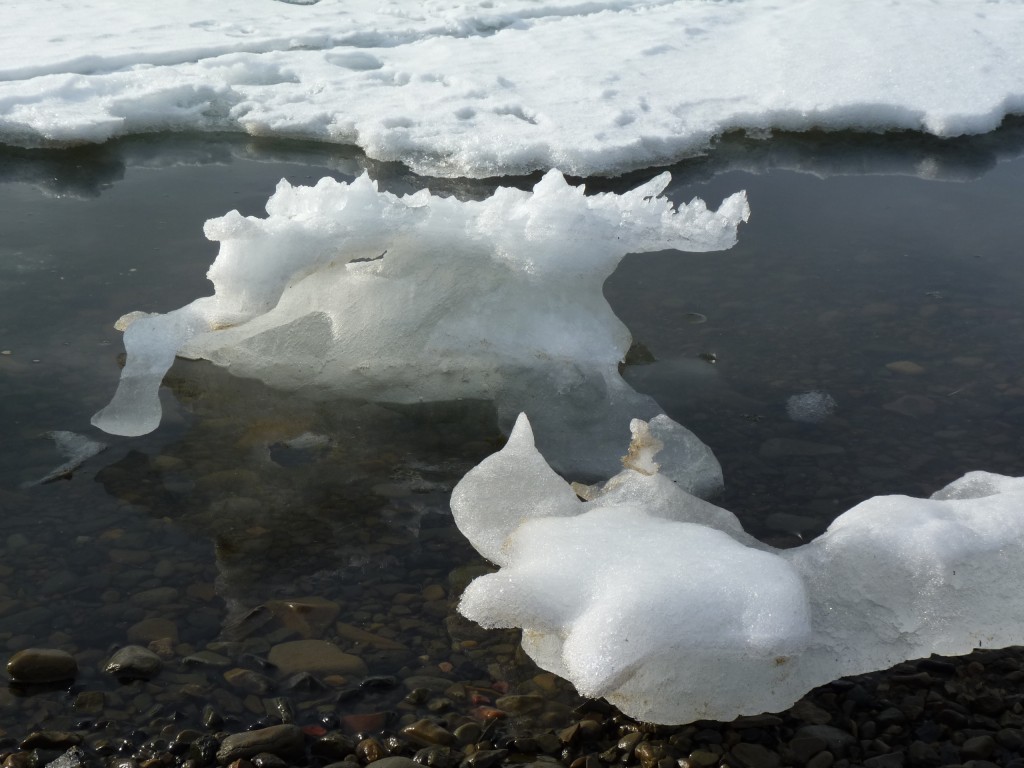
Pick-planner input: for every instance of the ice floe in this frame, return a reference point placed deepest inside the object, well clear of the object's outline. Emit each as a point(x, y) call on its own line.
point(497, 87)
point(346, 290)
point(659, 602)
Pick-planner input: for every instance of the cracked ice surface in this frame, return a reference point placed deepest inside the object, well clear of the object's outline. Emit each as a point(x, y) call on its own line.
point(507, 86)
point(343, 289)
point(659, 602)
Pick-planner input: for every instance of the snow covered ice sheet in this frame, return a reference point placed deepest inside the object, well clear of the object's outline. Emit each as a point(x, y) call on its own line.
point(687, 617)
point(346, 290)
point(507, 86)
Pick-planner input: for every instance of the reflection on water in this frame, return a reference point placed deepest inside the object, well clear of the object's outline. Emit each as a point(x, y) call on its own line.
point(897, 296)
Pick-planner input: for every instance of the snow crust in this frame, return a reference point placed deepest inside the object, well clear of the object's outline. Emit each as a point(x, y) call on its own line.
point(659, 602)
point(343, 289)
point(490, 87)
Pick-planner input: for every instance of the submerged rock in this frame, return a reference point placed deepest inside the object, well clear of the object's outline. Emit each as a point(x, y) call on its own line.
point(134, 662)
point(42, 665)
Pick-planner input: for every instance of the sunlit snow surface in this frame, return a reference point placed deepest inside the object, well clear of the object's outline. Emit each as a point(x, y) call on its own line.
point(507, 86)
point(659, 602)
point(346, 290)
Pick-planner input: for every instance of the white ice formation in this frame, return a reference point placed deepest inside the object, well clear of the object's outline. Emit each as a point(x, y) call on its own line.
point(343, 289)
point(489, 87)
point(659, 602)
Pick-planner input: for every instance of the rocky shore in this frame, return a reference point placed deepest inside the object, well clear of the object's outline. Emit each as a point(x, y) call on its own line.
point(307, 703)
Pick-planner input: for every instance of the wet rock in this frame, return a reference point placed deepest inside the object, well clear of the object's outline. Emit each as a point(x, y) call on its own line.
point(809, 712)
point(703, 758)
point(89, 702)
point(42, 665)
point(204, 749)
point(821, 760)
point(267, 760)
point(922, 755)
point(370, 750)
point(22, 760)
point(905, 367)
point(434, 757)
point(309, 616)
point(650, 753)
point(357, 635)
point(314, 656)
point(148, 630)
point(485, 758)
point(249, 681)
point(520, 704)
point(888, 760)
point(51, 740)
point(468, 733)
point(838, 741)
point(425, 733)
point(978, 748)
point(803, 748)
point(206, 659)
point(281, 740)
point(333, 745)
point(395, 762)
point(133, 662)
point(754, 756)
point(427, 682)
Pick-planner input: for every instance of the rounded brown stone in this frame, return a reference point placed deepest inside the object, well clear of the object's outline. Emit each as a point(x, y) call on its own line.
point(42, 665)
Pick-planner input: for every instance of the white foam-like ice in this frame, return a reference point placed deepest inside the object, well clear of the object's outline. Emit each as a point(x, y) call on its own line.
point(343, 289)
point(659, 601)
point(489, 87)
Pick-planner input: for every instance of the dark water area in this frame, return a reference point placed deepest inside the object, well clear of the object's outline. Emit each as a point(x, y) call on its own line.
point(883, 271)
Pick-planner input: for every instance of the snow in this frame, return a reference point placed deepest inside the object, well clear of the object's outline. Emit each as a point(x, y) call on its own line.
point(659, 602)
point(498, 87)
point(346, 290)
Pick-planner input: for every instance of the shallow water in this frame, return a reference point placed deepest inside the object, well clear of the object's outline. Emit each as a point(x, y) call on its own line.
point(896, 295)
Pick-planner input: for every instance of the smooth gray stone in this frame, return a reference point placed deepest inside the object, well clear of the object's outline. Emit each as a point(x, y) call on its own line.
point(280, 740)
point(42, 665)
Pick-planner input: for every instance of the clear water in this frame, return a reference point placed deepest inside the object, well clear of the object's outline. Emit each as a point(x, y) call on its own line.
point(851, 262)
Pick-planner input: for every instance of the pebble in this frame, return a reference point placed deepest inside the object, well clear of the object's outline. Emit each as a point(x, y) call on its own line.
point(906, 367)
point(135, 662)
point(249, 681)
point(42, 665)
point(281, 740)
point(153, 628)
point(51, 740)
point(314, 656)
point(395, 762)
point(754, 756)
point(425, 733)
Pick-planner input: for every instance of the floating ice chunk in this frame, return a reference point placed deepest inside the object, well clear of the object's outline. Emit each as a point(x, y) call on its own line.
point(346, 290)
point(659, 602)
point(76, 448)
point(810, 407)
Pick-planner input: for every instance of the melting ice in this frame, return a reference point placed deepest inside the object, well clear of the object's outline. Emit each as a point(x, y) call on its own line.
point(659, 602)
point(490, 87)
point(343, 289)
